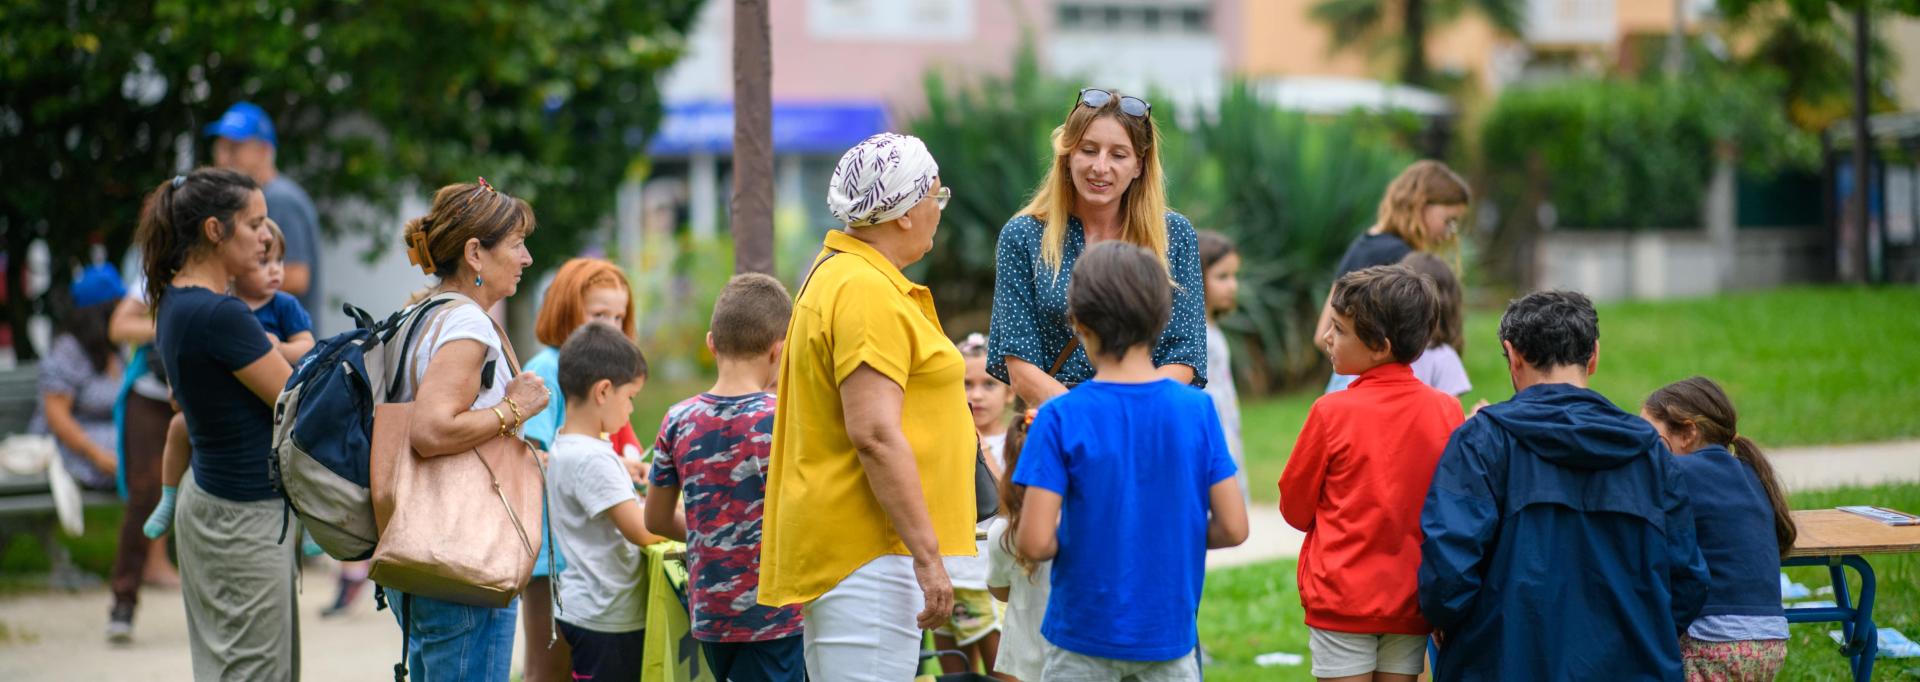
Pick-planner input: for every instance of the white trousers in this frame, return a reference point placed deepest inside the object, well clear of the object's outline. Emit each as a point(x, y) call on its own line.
point(864, 629)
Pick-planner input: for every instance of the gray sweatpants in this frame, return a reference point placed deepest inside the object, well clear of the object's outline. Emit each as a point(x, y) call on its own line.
point(239, 584)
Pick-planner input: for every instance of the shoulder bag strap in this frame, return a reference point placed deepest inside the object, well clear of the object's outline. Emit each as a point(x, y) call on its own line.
point(831, 252)
point(1060, 362)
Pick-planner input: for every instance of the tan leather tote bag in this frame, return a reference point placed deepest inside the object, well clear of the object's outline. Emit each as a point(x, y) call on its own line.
point(463, 527)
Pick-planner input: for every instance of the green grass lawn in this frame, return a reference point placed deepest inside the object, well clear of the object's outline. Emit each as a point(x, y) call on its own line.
point(1805, 366)
point(1255, 609)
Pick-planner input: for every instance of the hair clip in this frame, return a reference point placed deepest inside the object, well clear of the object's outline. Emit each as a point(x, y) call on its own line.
point(417, 251)
point(179, 180)
point(488, 185)
point(1029, 416)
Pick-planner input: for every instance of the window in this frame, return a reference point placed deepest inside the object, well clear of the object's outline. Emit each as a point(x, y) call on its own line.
point(1148, 16)
point(1194, 19)
point(1072, 16)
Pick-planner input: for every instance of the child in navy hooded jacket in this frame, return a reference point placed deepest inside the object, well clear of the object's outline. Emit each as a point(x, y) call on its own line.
point(1740, 513)
point(1558, 537)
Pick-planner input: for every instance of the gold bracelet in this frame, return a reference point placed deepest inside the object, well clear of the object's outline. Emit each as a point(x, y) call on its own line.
point(503, 420)
point(518, 418)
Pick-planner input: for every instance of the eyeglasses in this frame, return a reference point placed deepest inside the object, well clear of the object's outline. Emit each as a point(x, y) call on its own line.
point(943, 196)
point(1129, 105)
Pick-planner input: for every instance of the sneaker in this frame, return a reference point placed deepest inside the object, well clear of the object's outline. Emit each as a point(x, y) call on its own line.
point(120, 624)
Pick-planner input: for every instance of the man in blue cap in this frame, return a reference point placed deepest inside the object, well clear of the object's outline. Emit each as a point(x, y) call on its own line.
point(244, 141)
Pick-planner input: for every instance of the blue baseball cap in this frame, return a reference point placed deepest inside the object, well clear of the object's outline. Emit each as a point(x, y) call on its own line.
point(244, 121)
point(98, 284)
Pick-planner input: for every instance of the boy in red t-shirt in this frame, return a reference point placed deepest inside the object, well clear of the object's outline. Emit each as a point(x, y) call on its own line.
point(1359, 475)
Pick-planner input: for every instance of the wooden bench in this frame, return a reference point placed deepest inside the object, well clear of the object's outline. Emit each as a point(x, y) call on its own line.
point(26, 502)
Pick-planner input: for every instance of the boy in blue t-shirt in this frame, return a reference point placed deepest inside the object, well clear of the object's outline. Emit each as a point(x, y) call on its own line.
point(1129, 483)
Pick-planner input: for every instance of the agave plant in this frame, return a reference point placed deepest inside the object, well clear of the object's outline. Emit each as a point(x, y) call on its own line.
point(991, 138)
point(1292, 191)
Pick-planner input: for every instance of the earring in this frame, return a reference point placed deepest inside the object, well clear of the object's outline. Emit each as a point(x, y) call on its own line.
point(476, 279)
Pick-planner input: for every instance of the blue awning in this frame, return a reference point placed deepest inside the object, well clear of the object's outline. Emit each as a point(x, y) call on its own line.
point(798, 127)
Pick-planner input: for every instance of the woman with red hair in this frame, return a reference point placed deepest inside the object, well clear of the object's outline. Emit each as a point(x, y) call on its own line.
point(585, 290)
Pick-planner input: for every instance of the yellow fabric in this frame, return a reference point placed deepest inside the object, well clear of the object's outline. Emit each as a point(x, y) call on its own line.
point(822, 521)
point(672, 654)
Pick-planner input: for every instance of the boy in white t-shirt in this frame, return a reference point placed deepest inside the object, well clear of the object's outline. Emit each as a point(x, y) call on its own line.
point(597, 517)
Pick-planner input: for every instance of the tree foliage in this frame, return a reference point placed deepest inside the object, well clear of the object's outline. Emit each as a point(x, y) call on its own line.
point(1626, 154)
point(101, 100)
point(991, 138)
point(1292, 191)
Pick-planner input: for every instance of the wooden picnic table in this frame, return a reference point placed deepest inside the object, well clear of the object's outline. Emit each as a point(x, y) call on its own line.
point(1831, 532)
point(1839, 540)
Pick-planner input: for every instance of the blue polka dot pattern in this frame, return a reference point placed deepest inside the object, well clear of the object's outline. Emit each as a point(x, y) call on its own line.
point(1030, 302)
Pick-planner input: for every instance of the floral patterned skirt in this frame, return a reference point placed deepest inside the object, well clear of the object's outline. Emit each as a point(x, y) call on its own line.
point(1753, 660)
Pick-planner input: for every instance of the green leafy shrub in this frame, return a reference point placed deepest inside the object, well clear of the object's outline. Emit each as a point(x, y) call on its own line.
point(1634, 155)
point(1292, 191)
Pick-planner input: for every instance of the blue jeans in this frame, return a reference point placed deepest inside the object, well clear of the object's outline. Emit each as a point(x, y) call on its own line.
point(456, 642)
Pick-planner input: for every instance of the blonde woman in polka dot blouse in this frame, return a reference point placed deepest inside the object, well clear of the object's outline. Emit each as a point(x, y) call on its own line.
point(1105, 183)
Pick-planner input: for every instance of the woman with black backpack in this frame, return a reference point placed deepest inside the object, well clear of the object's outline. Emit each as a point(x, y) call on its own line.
point(198, 231)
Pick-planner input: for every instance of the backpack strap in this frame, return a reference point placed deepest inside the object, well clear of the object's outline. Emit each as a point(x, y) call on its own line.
point(438, 319)
point(407, 320)
point(406, 636)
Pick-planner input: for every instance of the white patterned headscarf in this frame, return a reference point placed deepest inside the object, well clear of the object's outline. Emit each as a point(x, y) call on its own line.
point(880, 178)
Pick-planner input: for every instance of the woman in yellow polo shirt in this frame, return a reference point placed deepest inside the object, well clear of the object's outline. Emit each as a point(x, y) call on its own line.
point(871, 479)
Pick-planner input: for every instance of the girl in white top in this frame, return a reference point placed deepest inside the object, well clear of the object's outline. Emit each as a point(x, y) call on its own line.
point(975, 628)
point(1220, 271)
point(1440, 366)
point(1022, 584)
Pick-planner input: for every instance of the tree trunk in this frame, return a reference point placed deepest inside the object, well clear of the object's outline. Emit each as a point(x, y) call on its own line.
point(752, 207)
point(1413, 65)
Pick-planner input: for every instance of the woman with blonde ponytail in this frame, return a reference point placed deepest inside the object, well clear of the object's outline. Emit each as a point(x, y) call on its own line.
point(1741, 518)
point(1105, 183)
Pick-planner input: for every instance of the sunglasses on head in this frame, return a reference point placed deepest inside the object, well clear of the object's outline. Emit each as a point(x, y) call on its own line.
point(1129, 105)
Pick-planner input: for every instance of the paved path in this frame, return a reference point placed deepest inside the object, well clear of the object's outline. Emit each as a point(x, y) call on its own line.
point(59, 636)
point(1798, 469)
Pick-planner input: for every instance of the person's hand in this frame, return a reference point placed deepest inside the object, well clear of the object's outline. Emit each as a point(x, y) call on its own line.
point(1440, 636)
point(1476, 408)
point(529, 392)
point(108, 463)
point(938, 590)
point(636, 470)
